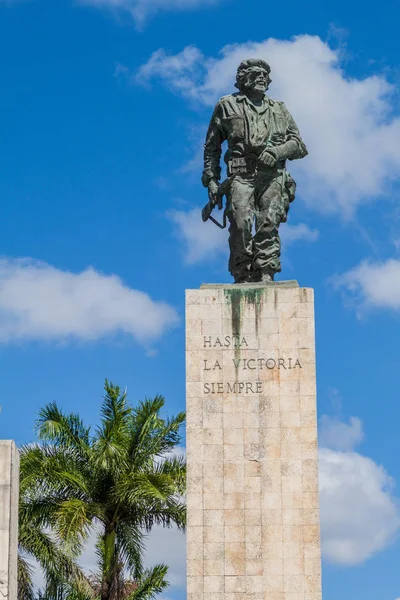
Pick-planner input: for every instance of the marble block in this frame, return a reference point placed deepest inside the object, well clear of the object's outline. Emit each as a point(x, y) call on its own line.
point(252, 453)
point(9, 484)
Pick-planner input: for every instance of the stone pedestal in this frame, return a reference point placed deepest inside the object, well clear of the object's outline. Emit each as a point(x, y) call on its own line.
point(252, 496)
point(9, 483)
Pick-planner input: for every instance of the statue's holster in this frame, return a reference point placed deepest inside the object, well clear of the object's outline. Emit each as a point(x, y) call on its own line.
point(247, 165)
point(242, 165)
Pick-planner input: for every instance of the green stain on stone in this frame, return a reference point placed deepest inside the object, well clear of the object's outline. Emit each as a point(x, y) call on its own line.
point(234, 297)
point(237, 298)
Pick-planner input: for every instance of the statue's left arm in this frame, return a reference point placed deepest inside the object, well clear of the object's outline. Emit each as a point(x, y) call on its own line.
point(293, 147)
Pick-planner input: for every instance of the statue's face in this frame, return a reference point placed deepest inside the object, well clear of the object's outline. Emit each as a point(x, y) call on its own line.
point(257, 80)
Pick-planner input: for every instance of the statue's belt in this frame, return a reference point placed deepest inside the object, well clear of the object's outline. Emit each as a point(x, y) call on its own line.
point(248, 164)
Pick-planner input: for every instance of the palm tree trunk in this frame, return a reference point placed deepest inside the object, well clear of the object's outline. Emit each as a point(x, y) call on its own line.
point(109, 587)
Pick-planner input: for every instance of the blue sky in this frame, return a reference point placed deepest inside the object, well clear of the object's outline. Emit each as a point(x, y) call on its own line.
point(104, 106)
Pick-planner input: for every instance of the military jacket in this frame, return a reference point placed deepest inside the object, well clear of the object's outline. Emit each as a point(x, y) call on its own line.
point(248, 130)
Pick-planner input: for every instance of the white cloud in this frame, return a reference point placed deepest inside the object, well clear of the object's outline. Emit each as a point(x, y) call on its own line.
point(372, 284)
point(183, 71)
point(168, 546)
point(140, 10)
point(359, 515)
point(337, 435)
point(201, 241)
point(347, 123)
point(298, 233)
point(40, 302)
point(205, 241)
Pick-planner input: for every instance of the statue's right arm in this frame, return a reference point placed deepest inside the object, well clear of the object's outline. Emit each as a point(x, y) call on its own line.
point(212, 148)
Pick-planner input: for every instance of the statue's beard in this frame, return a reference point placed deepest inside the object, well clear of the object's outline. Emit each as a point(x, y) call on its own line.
point(257, 88)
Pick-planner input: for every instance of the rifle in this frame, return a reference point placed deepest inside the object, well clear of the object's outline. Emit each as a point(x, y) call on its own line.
point(207, 210)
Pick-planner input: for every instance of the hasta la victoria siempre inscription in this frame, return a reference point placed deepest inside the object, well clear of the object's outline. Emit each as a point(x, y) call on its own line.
point(245, 364)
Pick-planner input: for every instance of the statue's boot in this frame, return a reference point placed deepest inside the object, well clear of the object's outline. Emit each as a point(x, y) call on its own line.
point(265, 276)
point(244, 276)
point(246, 279)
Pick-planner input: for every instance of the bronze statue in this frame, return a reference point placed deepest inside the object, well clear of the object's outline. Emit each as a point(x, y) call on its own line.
point(261, 135)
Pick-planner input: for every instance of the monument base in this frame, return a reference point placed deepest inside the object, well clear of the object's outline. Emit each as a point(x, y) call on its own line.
point(252, 456)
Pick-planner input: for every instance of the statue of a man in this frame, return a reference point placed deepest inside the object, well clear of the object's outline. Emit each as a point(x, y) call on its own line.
point(261, 135)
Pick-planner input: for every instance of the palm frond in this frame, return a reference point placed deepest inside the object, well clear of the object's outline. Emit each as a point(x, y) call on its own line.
point(58, 567)
point(139, 487)
point(153, 582)
point(131, 546)
point(110, 447)
point(48, 469)
point(153, 436)
point(172, 512)
point(175, 468)
point(25, 583)
point(65, 431)
point(76, 590)
point(74, 520)
point(115, 408)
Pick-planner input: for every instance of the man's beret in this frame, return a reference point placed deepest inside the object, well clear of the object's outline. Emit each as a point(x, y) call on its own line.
point(253, 62)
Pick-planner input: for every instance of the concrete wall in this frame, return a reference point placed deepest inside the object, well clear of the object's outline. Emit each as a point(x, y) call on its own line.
point(9, 484)
point(252, 454)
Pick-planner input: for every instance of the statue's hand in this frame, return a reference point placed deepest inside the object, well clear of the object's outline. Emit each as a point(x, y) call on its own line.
point(268, 159)
point(213, 192)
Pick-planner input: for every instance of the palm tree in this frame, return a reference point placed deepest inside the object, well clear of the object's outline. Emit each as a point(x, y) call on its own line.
point(121, 479)
point(36, 542)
